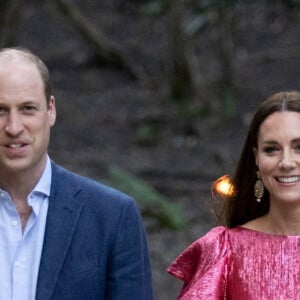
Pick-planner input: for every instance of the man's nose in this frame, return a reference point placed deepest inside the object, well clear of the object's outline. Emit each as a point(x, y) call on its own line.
point(14, 125)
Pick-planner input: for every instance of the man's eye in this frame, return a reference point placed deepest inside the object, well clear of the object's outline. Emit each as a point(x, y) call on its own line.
point(28, 108)
point(2, 110)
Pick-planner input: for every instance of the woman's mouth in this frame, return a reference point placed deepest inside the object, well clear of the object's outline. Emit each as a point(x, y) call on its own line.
point(288, 179)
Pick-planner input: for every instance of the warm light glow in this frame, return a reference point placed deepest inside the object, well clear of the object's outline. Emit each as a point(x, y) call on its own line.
point(224, 186)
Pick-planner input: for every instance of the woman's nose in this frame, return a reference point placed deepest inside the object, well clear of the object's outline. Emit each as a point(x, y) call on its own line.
point(287, 161)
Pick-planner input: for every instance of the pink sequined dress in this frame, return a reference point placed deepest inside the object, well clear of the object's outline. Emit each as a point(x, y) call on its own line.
point(239, 264)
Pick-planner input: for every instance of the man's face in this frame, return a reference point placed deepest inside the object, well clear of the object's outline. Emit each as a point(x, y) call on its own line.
point(25, 119)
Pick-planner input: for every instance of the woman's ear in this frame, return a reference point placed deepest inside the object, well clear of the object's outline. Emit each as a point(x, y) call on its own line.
point(254, 149)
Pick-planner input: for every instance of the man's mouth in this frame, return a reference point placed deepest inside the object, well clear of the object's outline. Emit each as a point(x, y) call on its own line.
point(15, 146)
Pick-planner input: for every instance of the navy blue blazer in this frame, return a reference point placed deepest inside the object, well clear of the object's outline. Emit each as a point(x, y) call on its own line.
point(94, 246)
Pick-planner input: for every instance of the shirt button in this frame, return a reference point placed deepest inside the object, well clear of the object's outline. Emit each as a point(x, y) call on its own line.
point(14, 223)
point(17, 263)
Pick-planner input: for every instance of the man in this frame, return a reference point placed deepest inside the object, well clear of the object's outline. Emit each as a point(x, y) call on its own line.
point(62, 236)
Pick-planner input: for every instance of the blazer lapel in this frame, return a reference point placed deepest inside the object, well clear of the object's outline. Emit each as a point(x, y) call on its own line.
point(63, 214)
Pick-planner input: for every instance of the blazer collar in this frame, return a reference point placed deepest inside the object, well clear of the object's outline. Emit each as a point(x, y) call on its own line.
point(63, 214)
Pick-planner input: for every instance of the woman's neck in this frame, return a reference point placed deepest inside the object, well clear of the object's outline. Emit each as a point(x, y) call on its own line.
point(277, 221)
point(283, 220)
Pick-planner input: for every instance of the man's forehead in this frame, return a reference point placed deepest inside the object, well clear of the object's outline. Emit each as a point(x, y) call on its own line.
point(13, 68)
point(13, 55)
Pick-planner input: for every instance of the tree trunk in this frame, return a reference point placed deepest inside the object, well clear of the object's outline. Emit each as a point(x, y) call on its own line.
point(106, 51)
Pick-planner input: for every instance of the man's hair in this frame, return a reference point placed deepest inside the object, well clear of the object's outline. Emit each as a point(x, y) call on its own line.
point(27, 55)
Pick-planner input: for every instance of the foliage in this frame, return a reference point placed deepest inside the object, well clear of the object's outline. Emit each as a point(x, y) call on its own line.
point(154, 206)
point(293, 4)
point(215, 4)
point(153, 8)
point(147, 134)
point(228, 102)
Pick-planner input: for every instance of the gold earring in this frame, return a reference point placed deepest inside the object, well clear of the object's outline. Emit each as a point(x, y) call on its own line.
point(258, 188)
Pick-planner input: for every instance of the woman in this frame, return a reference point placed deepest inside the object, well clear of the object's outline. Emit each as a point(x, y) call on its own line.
point(256, 255)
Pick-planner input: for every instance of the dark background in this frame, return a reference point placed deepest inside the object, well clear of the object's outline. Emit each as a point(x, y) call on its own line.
point(175, 114)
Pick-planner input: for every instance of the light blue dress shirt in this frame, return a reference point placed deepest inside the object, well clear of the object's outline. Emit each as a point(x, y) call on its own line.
point(20, 253)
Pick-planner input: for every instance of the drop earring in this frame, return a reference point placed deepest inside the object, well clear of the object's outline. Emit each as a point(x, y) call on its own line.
point(258, 188)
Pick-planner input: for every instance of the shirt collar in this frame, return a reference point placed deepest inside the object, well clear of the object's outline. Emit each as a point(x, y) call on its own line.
point(44, 184)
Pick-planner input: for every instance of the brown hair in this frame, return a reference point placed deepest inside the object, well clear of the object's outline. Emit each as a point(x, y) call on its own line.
point(11, 53)
point(242, 206)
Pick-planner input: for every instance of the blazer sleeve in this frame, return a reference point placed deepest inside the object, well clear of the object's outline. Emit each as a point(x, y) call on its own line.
point(129, 274)
point(203, 267)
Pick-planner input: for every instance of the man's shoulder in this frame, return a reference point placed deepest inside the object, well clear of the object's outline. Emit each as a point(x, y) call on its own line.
point(85, 187)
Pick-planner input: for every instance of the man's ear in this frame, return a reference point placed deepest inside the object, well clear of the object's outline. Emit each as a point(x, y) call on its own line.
point(52, 110)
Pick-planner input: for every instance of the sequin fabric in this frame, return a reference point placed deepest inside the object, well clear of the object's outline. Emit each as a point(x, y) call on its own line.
point(239, 264)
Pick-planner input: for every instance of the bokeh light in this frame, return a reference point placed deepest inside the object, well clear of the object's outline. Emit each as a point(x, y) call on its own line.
point(223, 187)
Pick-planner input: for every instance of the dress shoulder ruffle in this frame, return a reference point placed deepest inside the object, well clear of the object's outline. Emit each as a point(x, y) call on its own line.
point(203, 266)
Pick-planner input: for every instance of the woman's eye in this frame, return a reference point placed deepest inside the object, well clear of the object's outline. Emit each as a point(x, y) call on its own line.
point(270, 149)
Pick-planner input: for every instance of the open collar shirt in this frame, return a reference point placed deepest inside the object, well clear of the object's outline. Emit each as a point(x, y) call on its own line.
point(20, 253)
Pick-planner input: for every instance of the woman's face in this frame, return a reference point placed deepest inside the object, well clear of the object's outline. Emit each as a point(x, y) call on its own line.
point(278, 156)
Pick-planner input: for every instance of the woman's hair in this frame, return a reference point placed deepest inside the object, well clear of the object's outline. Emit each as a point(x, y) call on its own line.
point(242, 206)
point(23, 53)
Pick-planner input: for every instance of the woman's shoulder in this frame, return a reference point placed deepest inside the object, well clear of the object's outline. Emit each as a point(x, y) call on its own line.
point(203, 253)
point(215, 232)
point(203, 265)
point(215, 236)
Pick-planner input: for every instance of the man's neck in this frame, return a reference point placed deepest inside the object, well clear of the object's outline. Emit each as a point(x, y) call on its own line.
point(19, 184)
point(18, 187)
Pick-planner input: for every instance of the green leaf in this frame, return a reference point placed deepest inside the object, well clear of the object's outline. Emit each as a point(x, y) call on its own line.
point(153, 205)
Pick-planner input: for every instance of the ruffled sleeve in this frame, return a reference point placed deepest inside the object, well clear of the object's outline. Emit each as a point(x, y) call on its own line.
point(203, 267)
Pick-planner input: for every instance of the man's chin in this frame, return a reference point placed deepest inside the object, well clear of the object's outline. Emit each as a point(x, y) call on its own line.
point(14, 166)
